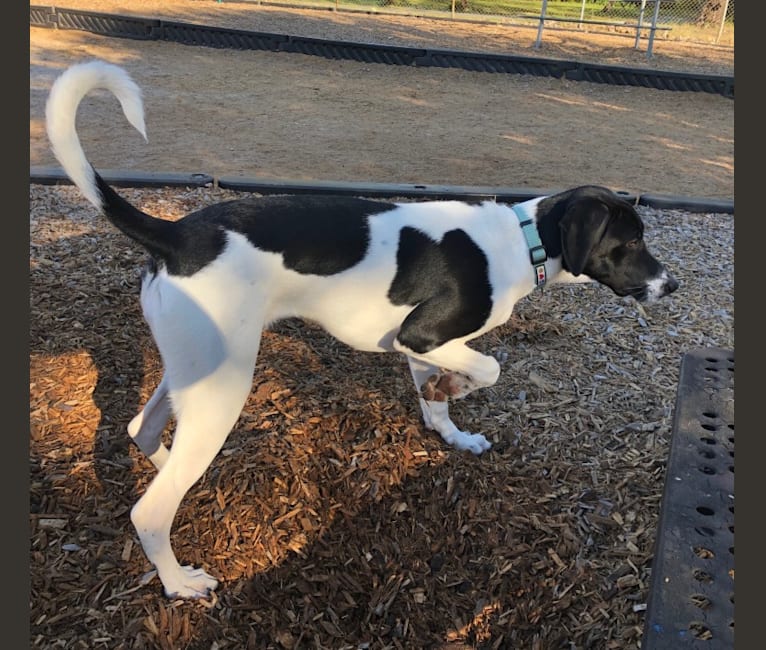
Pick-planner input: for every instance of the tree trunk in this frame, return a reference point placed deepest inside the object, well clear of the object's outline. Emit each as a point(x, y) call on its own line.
point(711, 12)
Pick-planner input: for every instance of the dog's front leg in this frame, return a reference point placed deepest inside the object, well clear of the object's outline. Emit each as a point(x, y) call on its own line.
point(467, 371)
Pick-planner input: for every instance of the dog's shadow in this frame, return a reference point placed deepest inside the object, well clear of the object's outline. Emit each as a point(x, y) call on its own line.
point(91, 361)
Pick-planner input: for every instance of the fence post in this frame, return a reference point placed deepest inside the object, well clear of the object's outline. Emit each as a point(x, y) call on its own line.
point(653, 28)
point(723, 20)
point(640, 22)
point(542, 23)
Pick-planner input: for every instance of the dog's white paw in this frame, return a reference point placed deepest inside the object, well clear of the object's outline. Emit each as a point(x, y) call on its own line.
point(190, 583)
point(436, 416)
point(501, 355)
point(476, 443)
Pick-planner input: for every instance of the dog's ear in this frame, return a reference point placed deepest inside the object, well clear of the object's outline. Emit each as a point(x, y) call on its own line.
point(582, 227)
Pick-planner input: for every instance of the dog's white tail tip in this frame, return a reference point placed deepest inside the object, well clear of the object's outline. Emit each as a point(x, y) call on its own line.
point(61, 108)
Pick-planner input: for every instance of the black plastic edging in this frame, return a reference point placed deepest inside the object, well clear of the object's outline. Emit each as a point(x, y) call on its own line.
point(480, 62)
point(121, 178)
point(670, 202)
point(42, 16)
point(43, 175)
point(221, 37)
point(107, 25)
point(380, 190)
point(659, 79)
point(233, 39)
point(364, 52)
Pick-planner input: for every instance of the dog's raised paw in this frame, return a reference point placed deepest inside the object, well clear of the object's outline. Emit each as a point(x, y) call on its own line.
point(456, 384)
point(441, 387)
point(191, 584)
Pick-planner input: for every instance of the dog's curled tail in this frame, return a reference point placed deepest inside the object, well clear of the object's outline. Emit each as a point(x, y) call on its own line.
point(61, 110)
point(65, 96)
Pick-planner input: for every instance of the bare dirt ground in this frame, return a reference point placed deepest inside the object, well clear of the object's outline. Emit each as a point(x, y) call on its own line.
point(332, 517)
point(290, 116)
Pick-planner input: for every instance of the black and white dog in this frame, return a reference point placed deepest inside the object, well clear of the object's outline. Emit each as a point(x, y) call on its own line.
point(422, 279)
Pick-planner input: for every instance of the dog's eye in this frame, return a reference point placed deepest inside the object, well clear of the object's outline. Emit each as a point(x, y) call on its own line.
point(633, 243)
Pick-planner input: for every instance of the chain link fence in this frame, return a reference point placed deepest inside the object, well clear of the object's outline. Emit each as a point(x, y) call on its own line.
point(703, 21)
point(698, 21)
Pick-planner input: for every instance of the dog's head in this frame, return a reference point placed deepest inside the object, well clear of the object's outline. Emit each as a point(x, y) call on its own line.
point(602, 237)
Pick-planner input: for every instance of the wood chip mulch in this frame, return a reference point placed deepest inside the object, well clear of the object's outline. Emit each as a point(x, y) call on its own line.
point(331, 517)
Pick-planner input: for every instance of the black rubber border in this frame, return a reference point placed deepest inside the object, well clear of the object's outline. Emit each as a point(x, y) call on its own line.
point(220, 37)
point(42, 175)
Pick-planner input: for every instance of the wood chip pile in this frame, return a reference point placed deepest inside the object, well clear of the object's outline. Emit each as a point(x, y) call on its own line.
point(332, 518)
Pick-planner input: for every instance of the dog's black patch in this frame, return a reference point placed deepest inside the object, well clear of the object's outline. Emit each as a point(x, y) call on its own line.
point(449, 283)
point(316, 235)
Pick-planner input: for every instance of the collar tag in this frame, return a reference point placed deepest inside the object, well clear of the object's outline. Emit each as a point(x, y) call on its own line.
point(537, 254)
point(540, 271)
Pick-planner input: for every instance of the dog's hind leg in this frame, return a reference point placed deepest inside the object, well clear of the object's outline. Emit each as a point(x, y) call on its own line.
point(205, 413)
point(146, 428)
point(209, 341)
point(467, 370)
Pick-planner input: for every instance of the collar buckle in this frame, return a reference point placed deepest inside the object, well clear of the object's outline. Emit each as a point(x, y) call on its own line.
point(537, 254)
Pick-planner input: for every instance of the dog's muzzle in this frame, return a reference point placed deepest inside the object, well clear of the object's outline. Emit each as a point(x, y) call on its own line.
point(657, 288)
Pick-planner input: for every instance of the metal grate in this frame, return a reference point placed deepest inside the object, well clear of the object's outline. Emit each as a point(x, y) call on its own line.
point(691, 597)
